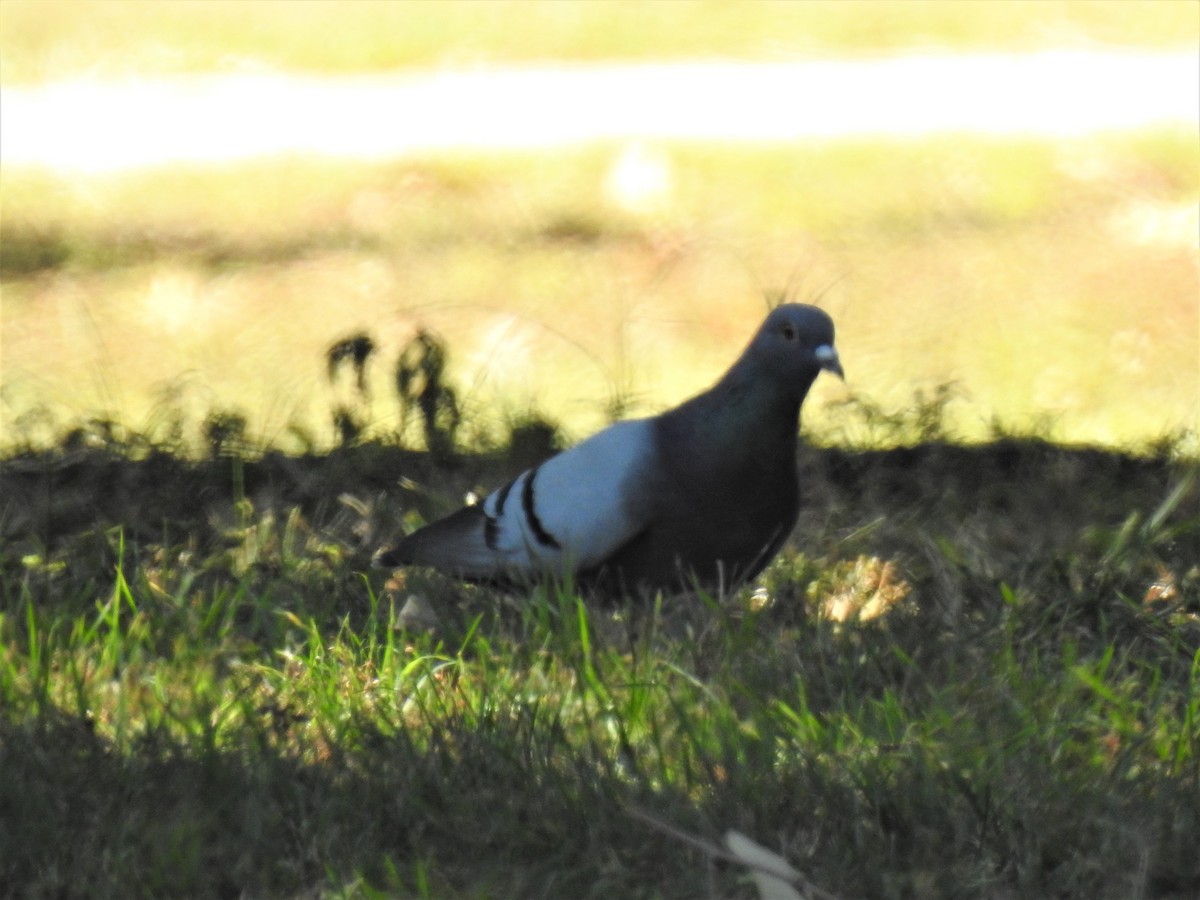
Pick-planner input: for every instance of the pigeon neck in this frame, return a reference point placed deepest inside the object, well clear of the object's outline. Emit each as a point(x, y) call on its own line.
point(765, 391)
point(749, 412)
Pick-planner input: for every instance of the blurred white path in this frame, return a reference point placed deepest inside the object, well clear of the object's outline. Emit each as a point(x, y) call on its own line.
point(105, 125)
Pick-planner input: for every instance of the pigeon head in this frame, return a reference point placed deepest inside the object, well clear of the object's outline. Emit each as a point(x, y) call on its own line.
point(794, 344)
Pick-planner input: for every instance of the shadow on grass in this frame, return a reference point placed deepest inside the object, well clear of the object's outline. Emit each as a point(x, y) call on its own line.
point(203, 696)
point(84, 819)
point(28, 251)
point(1015, 504)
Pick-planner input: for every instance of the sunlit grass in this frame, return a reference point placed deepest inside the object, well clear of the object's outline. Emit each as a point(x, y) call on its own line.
point(1051, 283)
point(44, 41)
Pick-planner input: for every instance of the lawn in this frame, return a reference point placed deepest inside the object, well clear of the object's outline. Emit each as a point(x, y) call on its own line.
point(1054, 285)
point(974, 670)
point(65, 38)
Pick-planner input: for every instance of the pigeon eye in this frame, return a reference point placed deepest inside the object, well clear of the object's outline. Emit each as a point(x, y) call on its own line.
point(789, 333)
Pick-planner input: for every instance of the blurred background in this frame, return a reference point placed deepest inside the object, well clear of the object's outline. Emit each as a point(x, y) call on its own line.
point(588, 206)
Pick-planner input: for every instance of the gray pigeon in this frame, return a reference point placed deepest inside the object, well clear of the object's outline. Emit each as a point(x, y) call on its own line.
point(701, 496)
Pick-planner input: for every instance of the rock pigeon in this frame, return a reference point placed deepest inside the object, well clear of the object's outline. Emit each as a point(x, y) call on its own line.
point(701, 496)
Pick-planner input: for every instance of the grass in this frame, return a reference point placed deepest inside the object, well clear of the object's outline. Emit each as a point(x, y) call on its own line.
point(1053, 282)
point(1050, 282)
point(973, 673)
point(61, 39)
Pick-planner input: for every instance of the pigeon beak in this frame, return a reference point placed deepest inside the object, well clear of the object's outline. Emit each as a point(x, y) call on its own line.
point(829, 361)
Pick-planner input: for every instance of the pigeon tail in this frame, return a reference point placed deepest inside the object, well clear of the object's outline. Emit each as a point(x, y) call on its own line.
point(455, 544)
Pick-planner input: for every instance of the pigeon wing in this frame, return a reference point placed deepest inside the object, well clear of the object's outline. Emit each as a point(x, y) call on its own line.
point(566, 515)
